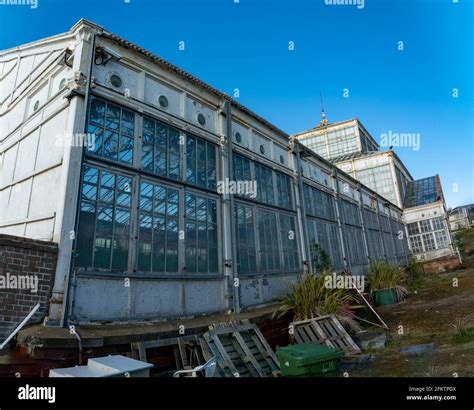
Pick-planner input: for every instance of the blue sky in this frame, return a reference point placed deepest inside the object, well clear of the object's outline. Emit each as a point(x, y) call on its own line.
point(245, 45)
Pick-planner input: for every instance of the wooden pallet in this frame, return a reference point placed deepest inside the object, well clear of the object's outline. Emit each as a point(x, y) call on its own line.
point(139, 348)
point(326, 330)
point(240, 349)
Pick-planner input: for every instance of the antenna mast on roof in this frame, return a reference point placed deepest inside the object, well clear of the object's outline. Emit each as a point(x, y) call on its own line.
point(324, 120)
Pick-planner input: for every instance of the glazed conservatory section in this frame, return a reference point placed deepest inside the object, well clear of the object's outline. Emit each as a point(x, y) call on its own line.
point(151, 218)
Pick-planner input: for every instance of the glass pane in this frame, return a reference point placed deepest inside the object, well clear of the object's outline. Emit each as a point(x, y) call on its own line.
point(213, 260)
point(190, 206)
point(85, 238)
point(95, 139)
point(201, 209)
point(212, 236)
point(161, 135)
point(174, 166)
point(191, 171)
point(202, 260)
point(144, 256)
point(89, 186)
point(148, 129)
point(112, 117)
point(172, 246)
point(128, 119)
point(160, 161)
point(212, 211)
point(160, 199)
point(201, 150)
point(105, 220)
point(144, 227)
point(191, 255)
point(111, 145)
point(172, 259)
point(120, 254)
point(211, 177)
point(126, 149)
point(107, 187)
point(201, 174)
point(172, 202)
point(124, 196)
point(97, 112)
point(122, 223)
point(146, 196)
point(190, 148)
point(102, 252)
point(159, 259)
point(147, 156)
point(173, 140)
point(159, 246)
point(191, 234)
point(211, 155)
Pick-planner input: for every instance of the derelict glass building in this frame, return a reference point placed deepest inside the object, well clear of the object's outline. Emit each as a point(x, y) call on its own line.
point(144, 231)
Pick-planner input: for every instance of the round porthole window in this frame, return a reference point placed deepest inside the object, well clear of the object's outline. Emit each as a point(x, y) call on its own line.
point(36, 106)
point(201, 119)
point(116, 81)
point(262, 149)
point(238, 137)
point(62, 84)
point(163, 101)
point(282, 159)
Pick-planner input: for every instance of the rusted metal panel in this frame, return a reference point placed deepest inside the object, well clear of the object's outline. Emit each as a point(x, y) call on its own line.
point(261, 290)
point(150, 299)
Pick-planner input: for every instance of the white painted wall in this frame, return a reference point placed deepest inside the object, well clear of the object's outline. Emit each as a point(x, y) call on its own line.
point(33, 113)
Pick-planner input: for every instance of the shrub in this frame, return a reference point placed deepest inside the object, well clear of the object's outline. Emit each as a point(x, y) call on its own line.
point(415, 274)
point(458, 242)
point(385, 275)
point(309, 297)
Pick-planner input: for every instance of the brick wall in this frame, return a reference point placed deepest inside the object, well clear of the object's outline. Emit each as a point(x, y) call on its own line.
point(441, 265)
point(27, 270)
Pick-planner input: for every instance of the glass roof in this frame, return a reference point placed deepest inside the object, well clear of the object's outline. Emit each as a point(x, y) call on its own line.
point(423, 191)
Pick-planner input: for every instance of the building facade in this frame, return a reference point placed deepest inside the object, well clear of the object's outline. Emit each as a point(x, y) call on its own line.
point(351, 148)
point(427, 221)
point(133, 167)
point(461, 217)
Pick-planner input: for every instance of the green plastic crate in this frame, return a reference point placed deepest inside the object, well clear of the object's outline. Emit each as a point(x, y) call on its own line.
point(308, 360)
point(386, 296)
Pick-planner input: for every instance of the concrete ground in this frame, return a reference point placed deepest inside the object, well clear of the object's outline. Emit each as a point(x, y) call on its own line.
point(427, 317)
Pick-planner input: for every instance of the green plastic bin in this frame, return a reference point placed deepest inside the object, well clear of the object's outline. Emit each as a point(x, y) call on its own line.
point(386, 296)
point(308, 360)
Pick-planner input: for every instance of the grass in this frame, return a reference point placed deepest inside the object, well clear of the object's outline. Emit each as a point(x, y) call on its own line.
point(463, 333)
point(438, 314)
point(466, 337)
